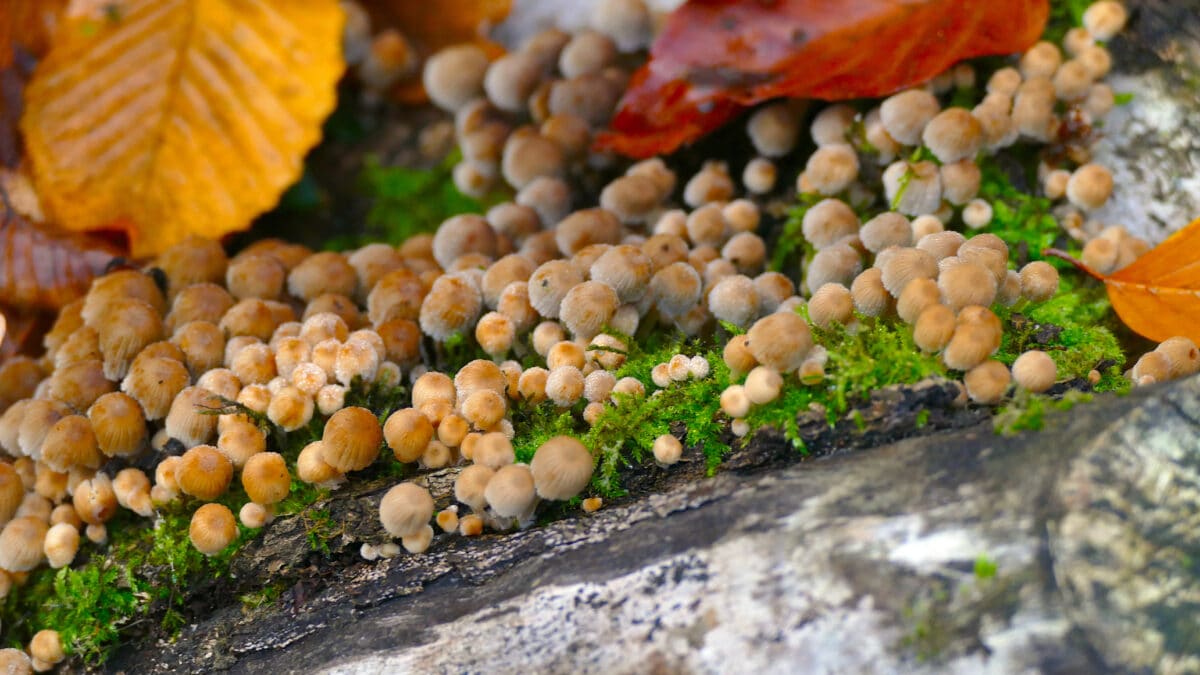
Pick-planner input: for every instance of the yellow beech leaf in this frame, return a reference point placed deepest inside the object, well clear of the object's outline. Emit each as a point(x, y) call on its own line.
point(1158, 295)
point(176, 117)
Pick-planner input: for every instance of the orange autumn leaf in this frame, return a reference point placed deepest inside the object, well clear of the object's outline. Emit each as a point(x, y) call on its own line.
point(714, 58)
point(431, 28)
point(168, 118)
point(1158, 295)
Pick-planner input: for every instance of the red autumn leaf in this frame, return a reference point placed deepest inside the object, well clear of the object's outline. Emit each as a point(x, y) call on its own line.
point(42, 268)
point(714, 58)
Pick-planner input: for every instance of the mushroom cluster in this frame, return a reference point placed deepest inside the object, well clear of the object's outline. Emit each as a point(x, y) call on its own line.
point(165, 384)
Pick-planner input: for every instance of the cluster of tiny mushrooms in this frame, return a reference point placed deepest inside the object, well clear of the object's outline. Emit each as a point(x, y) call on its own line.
point(132, 368)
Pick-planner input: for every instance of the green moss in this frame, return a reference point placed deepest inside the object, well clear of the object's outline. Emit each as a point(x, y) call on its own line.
point(407, 202)
point(1027, 412)
point(985, 567)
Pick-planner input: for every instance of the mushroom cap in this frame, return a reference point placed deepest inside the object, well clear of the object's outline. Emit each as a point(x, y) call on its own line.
point(202, 344)
point(204, 472)
point(155, 382)
point(15, 662)
point(763, 385)
point(1090, 186)
point(838, 263)
point(1039, 281)
point(532, 385)
point(626, 269)
point(12, 491)
point(46, 646)
point(952, 135)
point(431, 386)
point(21, 543)
point(759, 176)
point(470, 485)
point(462, 234)
point(734, 299)
point(265, 478)
point(780, 341)
point(966, 284)
point(586, 227)
point(1034, 371)
point(987, 382)
point(1182, 354)
point(676, 288)
point(61, 544)
point(934, 327)
point(71, 443)
point(914, 189)
point(405, 509)
point(886, 229)
point(479, 375)
point(419, 541)
point(564, 386)
point(941, 245)
point(454, 76)
point(868, 293)
point(587, 307)
point(212, 529)
point(747, 251)
point(351, 439)
point(632, 197)
point(960, 181)
point(734, 401)
point(311, 469)
point(493, 450)
point(774, 128)
point(510, 492)
point(510, 80)
point(906, 265)
point(711, 184)
point(628, 23)
point(451, 306)
point(905, 115)
point(831, 168)
point(484, 408)
point(831, 304)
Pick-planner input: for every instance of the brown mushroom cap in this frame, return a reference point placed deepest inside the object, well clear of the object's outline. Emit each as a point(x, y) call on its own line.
point(454, 76)
point(987, 382)
point(21, 543)
point(46, 646)
point(780, 340)
point(914, 189)
point(265, 478)
point(510, 492)
point(1035, 371)
point(1039, 281)
point(905, 115)
point(71, 443)
point(452, 305)
point(405, 509)
point(351, 439)
point(212, 529)
point(587, 307)
point(204, 472)
point(831, 304)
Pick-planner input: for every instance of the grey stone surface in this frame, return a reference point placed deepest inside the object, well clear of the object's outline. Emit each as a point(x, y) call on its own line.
point(860, 562)
point(1152, 144)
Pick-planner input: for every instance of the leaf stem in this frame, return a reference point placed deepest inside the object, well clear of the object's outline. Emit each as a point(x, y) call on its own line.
point(1063, 255)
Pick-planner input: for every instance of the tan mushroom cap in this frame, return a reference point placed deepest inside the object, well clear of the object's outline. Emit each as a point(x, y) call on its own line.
point(212, 529)
point(511, 492)
point(204, 472)
point(351, 439)
point(405, 509)
point(561, 467)
point(407, 433)
point(21, 543)
point(780, 341)
point(265, 478)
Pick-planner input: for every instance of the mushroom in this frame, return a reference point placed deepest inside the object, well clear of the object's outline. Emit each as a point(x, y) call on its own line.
point(1090, 186)
point(734, 299)
point(46, 648)
point(511, 492)
point(626, 270)
point(775, 127)
point(562, 468)
point(454, 76)
point(966, 284)
point(204, 472)
point(913, 189)
point(734, 401)
point(886, 229)
point(905, 115)
point(351, 439)
point(532, 385)
point(564, 386)
point(1034, 371)
point(667, 450)
point(470, 485)
point(587, 307)
point(763, 385)
point(60, 545)
point(213, 528)
point(831, 169)
point(987, 382)
point(933, 328)
point(1182, 355)
point(451, 306)
point(977, 214)
point(759, 176)
point(829, 222)
point(953, 135)
point(71, 443)
point(868, 294)
point(21, 543)
point(405, 510)
point(831, 304)
point(1104, 19)
point(1039, 281)
point(711, 184)
point(1040, 60)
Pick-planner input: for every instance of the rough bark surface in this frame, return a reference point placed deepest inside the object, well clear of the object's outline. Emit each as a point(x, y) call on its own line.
point(1093, 527)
